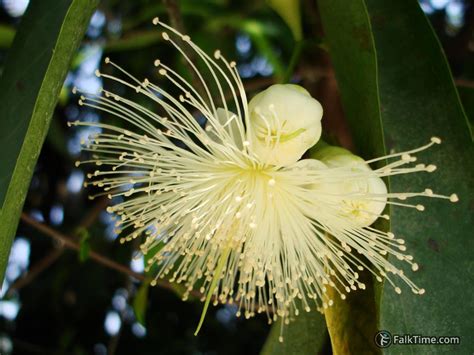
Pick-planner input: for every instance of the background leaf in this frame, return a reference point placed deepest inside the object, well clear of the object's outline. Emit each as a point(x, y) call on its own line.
point(348, 35)
point(140, 302)
point(84, 245)
point(306, 335)
point(419, 100)
point(353, 322)
point(6, 36)
point(290, 12)
point(32, 78)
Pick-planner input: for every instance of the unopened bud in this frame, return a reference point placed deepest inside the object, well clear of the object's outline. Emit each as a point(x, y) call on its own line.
point(285, 121)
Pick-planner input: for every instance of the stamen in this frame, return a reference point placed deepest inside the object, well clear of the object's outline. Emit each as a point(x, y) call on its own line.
point(223, 224)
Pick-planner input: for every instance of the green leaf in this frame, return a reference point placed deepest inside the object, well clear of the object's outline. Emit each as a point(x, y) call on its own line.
point(140, 302)
point(306, 335)
point(411, 76)
point(290, 12)
point(84, 245)
point(419, 100)
point(352, 323)
point(32, 78)
point(7, 34)
point(467, 98)
point(351, 46)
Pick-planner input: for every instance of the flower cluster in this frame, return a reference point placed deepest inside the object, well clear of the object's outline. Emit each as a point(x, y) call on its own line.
point(216, 188)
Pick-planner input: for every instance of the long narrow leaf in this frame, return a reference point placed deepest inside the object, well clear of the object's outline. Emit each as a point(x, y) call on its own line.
point(419, 100)
point(352, 323)
point(32, 78)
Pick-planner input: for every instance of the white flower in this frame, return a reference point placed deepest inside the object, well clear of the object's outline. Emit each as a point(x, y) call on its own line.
point(360, 199)
point(229, 220)
point(285, 122)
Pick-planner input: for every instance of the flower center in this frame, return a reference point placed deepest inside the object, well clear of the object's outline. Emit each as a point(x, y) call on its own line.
point(274, 136)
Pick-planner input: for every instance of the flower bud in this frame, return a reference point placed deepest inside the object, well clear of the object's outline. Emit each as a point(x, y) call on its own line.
point(360, 199)
point(285, 121)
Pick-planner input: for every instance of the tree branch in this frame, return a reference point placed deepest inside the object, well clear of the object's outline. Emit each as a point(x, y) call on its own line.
point(69, 243)
point(464, 83)
point(35, 270)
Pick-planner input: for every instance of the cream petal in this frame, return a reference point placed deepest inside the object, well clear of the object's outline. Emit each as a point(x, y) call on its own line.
point(285, 122)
